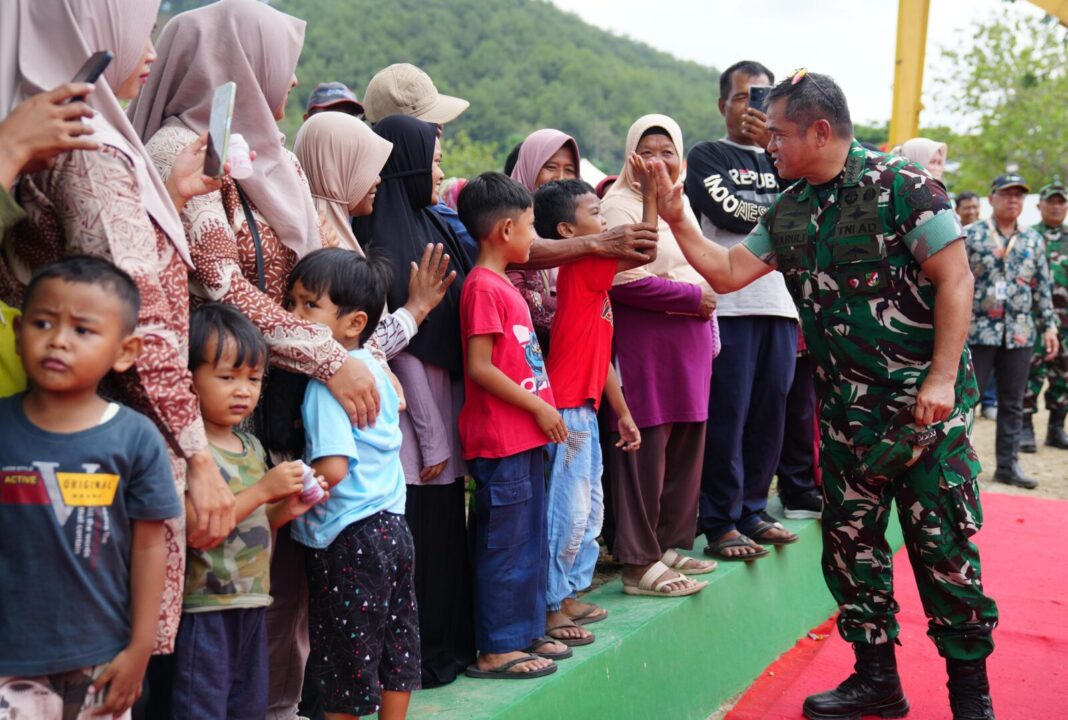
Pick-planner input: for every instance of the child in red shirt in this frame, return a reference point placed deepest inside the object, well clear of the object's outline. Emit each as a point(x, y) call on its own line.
point(508, 418)
point(580, 369)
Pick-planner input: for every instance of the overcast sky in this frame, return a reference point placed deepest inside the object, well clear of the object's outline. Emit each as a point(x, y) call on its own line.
point(851, 40)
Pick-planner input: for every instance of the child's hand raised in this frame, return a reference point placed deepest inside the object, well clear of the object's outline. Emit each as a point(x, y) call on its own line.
point(551, 423)
point(647, 184)
point(630, 438)
point(283, 480)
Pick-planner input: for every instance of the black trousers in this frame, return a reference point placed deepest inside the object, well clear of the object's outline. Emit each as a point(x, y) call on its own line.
point(797, 460)
point(1010, 368)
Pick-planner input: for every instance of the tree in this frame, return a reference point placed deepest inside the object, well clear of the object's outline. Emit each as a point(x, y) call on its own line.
point(1009, 89)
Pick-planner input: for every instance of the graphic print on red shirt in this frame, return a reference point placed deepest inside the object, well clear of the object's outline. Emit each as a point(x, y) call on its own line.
point(489, 426)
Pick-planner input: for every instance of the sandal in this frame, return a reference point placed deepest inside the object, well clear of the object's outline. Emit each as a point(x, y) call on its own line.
point(716, 549)
point(592, 614)
point(569, 641)
point(542, 642)
point(503, 671)
point(691, 566)
point(649, 587)
point(761, 533)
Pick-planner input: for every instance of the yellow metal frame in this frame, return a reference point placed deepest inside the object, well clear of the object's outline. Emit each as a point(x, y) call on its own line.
point(908, 69)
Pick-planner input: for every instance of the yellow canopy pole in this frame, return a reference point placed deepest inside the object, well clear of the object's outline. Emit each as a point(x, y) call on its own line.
point(908, 70)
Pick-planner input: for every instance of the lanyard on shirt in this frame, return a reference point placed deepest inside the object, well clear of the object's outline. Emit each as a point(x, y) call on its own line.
point(1002, 249)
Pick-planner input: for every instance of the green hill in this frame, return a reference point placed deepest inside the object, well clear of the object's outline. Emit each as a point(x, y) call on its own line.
point(523, 64)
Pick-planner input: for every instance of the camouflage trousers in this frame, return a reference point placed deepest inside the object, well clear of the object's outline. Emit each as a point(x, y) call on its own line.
point(1055, 371)
point(938, 506)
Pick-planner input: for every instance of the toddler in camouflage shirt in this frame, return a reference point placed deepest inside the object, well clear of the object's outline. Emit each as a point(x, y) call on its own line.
point(221, 650)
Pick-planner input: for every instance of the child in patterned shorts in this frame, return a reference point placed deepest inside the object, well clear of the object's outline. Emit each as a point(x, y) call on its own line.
point(362, 619)
point(221, 650)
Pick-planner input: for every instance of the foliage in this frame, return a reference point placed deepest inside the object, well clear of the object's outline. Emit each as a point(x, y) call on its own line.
point(1009, 89)
point(463, 157)
point(523, 65)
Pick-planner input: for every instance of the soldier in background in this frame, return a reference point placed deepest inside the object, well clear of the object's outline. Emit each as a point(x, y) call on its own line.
point(1052, 203)
point(870, 246)
point(1012, 310)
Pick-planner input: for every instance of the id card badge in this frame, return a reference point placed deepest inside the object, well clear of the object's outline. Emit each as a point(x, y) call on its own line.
point(1001, 290)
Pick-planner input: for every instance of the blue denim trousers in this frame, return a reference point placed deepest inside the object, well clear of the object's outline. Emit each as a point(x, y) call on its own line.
point(575, 506)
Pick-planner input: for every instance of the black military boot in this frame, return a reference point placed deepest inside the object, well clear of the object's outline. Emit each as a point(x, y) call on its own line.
point(1055, 435)
point(1014, 475)
point(969, 690)
point(873, 689)
point(1027, 442)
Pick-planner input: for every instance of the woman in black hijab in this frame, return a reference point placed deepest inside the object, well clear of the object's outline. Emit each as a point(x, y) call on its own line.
point(431, 373)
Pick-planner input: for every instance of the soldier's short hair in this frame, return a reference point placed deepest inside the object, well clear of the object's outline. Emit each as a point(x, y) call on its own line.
point(965, 196)
point(746, 67)
point(811, 97)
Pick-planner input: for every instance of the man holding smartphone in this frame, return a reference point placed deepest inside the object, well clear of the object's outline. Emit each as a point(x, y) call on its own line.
point(730, 183)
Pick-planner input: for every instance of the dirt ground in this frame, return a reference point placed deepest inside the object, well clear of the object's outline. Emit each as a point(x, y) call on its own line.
point(1049, 465)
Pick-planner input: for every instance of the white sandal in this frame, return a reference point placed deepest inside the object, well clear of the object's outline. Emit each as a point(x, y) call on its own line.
point(649, 587)
point(683, 563)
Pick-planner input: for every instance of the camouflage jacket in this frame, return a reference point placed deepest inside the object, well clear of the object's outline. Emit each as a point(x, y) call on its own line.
point(851, 251)
point(1012, 287)
point(1057, 256)
point(236, 574)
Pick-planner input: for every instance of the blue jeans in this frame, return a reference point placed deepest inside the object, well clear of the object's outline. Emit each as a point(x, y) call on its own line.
point(575, 506)
point(509, 550)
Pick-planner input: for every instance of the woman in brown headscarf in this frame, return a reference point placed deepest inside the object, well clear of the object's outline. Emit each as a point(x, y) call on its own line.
point(112, 203)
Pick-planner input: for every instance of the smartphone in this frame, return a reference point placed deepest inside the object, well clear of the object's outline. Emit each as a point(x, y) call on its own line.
point(758, 95)
point(91, 70)
point(222, 115)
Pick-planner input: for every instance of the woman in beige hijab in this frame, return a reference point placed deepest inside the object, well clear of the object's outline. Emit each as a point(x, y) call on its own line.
point(342, 158)
point(112, 203)
point(257, 47)
point(931, 154)
point(665, 337)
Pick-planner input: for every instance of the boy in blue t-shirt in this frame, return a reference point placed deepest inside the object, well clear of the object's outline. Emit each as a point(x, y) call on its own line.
point(85, 486)
point(362, 618)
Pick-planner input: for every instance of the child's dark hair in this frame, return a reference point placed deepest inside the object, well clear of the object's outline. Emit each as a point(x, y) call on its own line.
point(488, 198)
point(555, 202)
point(352, 282)
point(92, 271)
point(225, 324)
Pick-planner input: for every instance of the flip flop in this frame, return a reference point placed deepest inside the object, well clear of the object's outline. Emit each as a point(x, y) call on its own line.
point(594, 613)
point(677, 561)
point(716, 549)
point(649, 587)
point(762, 528)
point(570, 642)
point(502, 671)
point(542, 642)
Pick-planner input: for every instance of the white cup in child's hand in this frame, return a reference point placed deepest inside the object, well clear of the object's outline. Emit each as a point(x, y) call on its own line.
point(240, 158)
point(313, 491)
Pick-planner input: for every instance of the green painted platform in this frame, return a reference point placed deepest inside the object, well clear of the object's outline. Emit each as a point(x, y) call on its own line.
point(666, 658)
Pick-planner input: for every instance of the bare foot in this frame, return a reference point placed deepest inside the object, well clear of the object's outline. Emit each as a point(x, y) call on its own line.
point(589, 612)
point(489, 661)
point(632, 575)
point(562, 628)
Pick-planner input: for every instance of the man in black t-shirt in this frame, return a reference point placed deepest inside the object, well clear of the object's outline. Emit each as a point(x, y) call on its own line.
point(730, 183)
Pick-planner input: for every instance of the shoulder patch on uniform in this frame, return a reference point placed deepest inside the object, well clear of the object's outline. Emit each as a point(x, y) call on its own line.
point(920, 198)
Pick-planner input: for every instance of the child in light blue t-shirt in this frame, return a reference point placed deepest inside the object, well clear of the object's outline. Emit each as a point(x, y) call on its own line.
point(362, 617)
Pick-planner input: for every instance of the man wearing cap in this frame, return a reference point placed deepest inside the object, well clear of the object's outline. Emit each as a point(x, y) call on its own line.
point(333, 96)
point(1052, 204)
point(1012, 309)
point(404, 89)
point(870, 249)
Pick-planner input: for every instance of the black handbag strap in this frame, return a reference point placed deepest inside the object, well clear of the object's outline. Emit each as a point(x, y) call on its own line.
point(255, 230)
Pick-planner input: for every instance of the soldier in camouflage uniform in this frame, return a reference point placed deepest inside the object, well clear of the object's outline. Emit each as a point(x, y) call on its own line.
point(1052, 203)
point(1013, 308)
point(867, 243)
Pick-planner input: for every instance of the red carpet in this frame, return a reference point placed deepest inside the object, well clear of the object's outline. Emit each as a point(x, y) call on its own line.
point(1025, 568)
